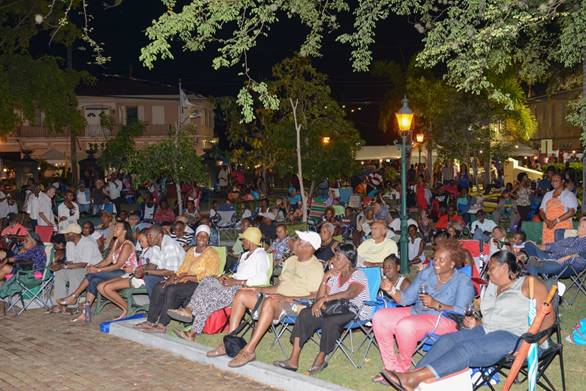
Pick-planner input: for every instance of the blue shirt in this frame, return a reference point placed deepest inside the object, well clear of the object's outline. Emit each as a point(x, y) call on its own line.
point(458, 292)
point(36, 254)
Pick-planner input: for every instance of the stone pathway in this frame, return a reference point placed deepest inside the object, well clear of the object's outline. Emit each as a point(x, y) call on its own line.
point(42, 352)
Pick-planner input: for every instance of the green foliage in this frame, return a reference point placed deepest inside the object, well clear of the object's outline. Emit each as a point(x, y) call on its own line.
point(270, 140)
point(475, 41)
point(117, 149)
point(174, 157)
point(28, 85)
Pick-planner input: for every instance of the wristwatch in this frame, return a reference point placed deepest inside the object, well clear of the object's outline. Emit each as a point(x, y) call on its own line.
point(439, 306)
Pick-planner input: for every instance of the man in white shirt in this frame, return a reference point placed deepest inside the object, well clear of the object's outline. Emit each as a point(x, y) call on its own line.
point(80, 252)
point(163, 262)
point(67, 211)
point(83, 199)
point(482, 227)
point(372, 252)
point(114, 189)
point(40, 207)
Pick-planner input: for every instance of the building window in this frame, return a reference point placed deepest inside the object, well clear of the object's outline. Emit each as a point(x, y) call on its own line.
point(158, 115)
point(131, 114)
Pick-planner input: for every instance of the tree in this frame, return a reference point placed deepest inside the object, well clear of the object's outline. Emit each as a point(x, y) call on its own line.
point(118, 148)
point(290, 139)
point(174, 158)
point(29, 85)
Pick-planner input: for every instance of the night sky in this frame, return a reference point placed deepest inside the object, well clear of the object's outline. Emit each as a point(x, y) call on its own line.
point(121, 29)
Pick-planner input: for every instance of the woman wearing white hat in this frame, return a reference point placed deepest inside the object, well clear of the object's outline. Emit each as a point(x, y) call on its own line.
point(213, 294)
point(200, 262)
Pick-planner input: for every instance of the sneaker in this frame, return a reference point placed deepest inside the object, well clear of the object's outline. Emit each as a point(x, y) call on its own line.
point(241, 359)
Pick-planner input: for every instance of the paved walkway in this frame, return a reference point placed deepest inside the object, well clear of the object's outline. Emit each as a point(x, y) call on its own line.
point(42, 352)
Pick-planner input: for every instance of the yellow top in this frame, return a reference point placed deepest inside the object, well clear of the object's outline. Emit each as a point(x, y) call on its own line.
point(369, 251)
point(299, 279)
point(200, 266)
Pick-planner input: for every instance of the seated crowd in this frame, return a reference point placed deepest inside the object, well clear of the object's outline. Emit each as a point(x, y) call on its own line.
point(269, 274)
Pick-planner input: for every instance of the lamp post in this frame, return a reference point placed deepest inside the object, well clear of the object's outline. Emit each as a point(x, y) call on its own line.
point(404, 119)
point(419, 137)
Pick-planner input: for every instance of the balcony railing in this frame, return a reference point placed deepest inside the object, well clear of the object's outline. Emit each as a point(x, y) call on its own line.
point(95, 131)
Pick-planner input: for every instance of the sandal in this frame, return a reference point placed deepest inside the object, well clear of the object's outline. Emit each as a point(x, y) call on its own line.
point(285, 365)
point(318, 368)
point(396, 384)
point(142, 325)
point(379, 379)
point(155, 328)
point(56, 309)
point(186, 335)
point(69, 300)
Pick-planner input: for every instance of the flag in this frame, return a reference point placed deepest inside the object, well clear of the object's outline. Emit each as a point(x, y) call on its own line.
point(184, 99)
point(532, 358)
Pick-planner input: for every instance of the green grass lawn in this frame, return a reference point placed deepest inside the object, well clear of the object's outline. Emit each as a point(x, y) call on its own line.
point(340, 371)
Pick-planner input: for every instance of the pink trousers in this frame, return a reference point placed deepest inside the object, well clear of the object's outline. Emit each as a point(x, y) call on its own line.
point(398, 323)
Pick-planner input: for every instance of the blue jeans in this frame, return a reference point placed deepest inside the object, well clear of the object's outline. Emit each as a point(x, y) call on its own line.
point(467, 348)
point(95, 278)
point(532, 250)
point(150, 282)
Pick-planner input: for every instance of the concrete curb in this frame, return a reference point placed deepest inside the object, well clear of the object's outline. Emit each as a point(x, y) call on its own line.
point(257, 371)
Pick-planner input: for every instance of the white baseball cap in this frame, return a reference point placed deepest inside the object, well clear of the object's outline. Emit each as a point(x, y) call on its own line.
point(72, 228)
point(310, 237)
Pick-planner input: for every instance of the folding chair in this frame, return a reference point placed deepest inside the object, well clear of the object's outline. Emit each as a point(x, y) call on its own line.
point(546, 356)
point(577, 275)
point(26, 289)
point(248, 316)
point(373, 275)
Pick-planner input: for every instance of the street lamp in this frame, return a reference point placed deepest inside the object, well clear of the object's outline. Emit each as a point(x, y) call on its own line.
point(325, 140)
point(419, 137)
point(404, 119)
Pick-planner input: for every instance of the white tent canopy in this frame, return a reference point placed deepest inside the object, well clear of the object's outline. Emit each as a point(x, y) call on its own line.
point(378, 152)
point(384, 152)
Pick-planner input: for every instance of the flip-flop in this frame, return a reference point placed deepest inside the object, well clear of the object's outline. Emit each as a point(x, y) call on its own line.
point(313, 370)
point(379, 379)
point(285, 365)
point(397, 385)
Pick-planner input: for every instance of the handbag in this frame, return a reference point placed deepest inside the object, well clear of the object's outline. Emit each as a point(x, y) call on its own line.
point(338, 307)
point(234, 343)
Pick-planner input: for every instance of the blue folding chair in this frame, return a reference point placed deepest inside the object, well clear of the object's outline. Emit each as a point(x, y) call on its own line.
point(373, 275)
point(285, 325)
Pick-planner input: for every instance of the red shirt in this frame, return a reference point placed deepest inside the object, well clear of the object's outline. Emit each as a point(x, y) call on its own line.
point(17, 229)
point(442, 222)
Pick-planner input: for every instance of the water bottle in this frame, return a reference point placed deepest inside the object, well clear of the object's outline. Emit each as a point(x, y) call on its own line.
point(87, 312)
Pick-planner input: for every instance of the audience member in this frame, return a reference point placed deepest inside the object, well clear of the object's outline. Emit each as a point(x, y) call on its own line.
point(301, 278)
point(373, 251)
point(342, 282)
point(121, 254)
point(481, 343)
point(32, 257)
point(482, 227)
point(435, 289)
point(213, 294)
point(200, 261)
point(80, 252)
